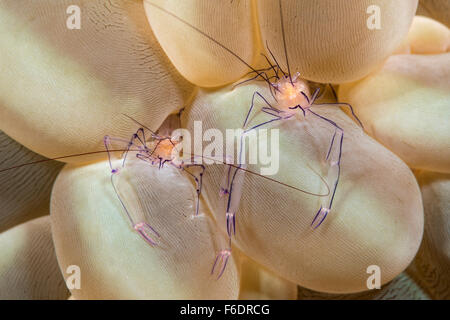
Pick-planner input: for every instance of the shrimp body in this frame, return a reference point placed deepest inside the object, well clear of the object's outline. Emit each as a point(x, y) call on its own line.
point(155, 150)
point(161, 151)
point(290, 95)
point(164, 148)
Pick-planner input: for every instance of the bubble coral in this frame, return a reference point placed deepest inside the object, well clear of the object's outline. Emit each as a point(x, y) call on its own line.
point(62, 90)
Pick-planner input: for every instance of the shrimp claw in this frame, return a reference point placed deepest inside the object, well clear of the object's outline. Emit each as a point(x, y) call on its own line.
point(320, 217)
point(146, 231)
point(221, 262)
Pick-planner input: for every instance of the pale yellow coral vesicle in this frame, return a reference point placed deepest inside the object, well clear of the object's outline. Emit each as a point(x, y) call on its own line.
point(405, 106)
point(377, 195)
point(428, 36)
point(62, 90)
point(329, 41)
point(28, 266)
point(198, 58)
point(258, 283)
point(91, 230)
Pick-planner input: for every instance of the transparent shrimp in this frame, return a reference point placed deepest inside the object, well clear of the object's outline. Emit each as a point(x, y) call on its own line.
point(157, 151)
point(291, 94)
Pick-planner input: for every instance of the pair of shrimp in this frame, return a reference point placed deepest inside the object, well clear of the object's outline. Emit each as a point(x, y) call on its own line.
point(291, 95)
point(157, 151)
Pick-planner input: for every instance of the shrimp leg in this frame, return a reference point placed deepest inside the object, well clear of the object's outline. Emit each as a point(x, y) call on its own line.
point(146, 231)
point(324, 210)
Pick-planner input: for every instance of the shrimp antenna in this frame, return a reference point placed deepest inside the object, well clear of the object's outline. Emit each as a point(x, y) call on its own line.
point(221, 161)
point(134, 120)
point(57, 158)
point(274, 180)
point(284, 42)
point(210, 38)
point(274, 59)
point(288, 185)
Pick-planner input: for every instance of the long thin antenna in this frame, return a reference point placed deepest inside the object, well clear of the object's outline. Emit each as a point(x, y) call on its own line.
point(209, 37)
point(134, 120)
point(274, 59)
point(57, 158)
point(284, 42)
point(213, 159)
point(285, 184)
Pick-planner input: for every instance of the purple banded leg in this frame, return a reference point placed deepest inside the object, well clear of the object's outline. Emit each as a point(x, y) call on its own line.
point(319, 217)
point(233, 203)
point(323, 211)
point(255, 94)
point(223, 191)
point(338, 104)
point(270, 112)
point(139, 136)
point(221, 262)
point(276, 118)
point(234, 188)
point(147, 232)
point(137, 140)
point(143, 228)
point(231, 224)
point(225, 185)
point(125, 145)
point(198, 181)
point(146, 158)
point(110, 149)
point(331, 144)
point(300, 107)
